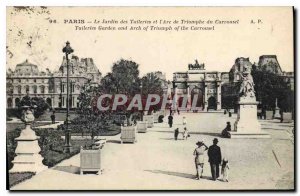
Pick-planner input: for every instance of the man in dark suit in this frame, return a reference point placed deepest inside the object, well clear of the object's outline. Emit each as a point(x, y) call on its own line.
point(215, 157)
point(170, 122)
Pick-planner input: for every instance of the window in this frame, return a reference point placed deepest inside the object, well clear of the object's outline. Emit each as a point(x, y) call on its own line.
point(34, 80)
point(19, 89)
point(62, 88)
point(34, 89)
point(27, 89)
point(42, 89)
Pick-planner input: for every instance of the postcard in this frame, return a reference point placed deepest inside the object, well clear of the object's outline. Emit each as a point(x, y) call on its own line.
point(150, 98)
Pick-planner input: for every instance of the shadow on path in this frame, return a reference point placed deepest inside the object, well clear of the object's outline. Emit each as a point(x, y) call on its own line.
point(171, 139)
point(178, 174)
point(69, 169)
point(211, 134)
point(114, 141)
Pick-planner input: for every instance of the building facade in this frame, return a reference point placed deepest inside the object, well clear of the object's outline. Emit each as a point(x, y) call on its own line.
point(52, 87)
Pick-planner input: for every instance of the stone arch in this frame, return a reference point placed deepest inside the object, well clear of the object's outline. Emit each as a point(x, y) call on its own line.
point(200, 101)
point(212, 103)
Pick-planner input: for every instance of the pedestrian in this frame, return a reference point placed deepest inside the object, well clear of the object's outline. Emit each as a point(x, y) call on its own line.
point(176, 132)
point(226, 132)
point(184, 121)
point(170, 121)
point(185, 133)
point(225, 170)
point(199, 158)
point(178, 111)
point(214, 158)
point(53, 117)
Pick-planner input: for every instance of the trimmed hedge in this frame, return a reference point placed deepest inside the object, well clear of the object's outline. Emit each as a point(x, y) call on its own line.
point(18, 177)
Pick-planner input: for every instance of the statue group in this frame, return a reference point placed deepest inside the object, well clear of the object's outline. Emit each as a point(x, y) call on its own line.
point(247, 85)
point(196, 66)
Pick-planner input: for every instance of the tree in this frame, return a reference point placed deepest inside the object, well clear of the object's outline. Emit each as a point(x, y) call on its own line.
point(38, 103)
point(151, 84)
point(269, 86)
point(124, 78)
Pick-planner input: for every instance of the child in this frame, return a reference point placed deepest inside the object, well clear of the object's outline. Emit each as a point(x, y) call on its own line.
point(184, 122)
point(225, 169)
point(185, 133)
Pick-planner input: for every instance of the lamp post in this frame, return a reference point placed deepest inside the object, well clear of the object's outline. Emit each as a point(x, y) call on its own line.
point(142, 112)
point(68, 147)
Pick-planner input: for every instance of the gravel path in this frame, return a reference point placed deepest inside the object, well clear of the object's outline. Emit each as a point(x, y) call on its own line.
point(156, 161)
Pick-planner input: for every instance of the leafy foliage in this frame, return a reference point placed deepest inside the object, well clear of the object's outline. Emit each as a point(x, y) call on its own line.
point(11, 144)
point(38, 103)
point(151, 84)
point(18, 177)
point(268, 87)
point(124, 78)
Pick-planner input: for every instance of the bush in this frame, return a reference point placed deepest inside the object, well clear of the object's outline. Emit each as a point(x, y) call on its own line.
point(13, 112)
point(11, 146)
point(18, 177)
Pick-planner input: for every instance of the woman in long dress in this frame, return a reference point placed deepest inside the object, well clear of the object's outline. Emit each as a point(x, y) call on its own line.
point(199, 158)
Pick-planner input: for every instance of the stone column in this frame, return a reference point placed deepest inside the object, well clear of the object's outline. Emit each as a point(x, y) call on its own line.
point(277, 111)
point(219, 93)
point(175, 98)
point(189, 102)
point(205, 96)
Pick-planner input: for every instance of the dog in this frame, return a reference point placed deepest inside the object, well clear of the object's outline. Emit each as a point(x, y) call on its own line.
point(225, 170)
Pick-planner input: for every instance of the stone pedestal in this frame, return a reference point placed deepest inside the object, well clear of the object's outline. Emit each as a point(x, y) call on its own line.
point(28, 158)
point(247, 125)
point(277, 111)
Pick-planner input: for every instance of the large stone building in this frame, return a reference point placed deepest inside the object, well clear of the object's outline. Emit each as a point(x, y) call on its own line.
point(50, 86)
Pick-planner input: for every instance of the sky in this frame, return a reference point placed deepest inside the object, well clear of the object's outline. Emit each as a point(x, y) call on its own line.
point(30, 35)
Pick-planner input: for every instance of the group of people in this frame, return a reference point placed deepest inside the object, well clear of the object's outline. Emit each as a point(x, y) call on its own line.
point(214, 159)
point(213, 152)
point(185, 133)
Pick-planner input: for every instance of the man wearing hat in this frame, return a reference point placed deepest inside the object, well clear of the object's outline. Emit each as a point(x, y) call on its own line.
point(214, 158)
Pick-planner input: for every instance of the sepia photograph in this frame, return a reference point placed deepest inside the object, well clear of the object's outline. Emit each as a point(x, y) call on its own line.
point(150, 98)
